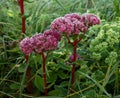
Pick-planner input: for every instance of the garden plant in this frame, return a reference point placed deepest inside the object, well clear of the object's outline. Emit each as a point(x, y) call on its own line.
point(59, 49)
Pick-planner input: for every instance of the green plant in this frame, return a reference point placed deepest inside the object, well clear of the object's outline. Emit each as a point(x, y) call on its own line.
point(104, 48)
point(94, 78)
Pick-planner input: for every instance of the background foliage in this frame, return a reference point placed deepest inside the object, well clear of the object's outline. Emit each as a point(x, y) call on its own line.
point(98, 73)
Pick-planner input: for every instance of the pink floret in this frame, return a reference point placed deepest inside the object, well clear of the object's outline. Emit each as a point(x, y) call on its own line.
point(70, 24)
point(53, 33)
point(90, 19)
point(38, 41)
point(51, 43)
point(26, 46)
point(73, 16)
point(62, 25)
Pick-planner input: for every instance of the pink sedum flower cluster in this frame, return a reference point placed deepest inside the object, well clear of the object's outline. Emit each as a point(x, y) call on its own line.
point(74, 23)
point(53, 33)
point(26, 46)
point(61, 25)
point(90, 19)
point(70, 24)
point(76, 19)
point(51, 43)
point(40, 42)
point(73, 16)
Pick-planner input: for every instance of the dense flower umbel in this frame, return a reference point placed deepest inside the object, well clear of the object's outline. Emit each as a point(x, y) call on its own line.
point(51, 43)
point(62, 25)
point(74, 23)
point(73, 16)
point(53, 33)
point(79, 25)
point(40, 43)
point(90, 19)
point(26, 46)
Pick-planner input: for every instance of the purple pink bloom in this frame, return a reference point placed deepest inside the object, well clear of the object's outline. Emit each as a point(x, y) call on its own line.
point(74, 23)
point(53, 33)
point(26, 46)
point(70, 24)
point(62, 25)
point(90, 19)
point(73, 16)
point(40, 42)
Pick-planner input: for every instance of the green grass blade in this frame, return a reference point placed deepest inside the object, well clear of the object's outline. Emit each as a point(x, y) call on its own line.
point(10, 96)
point(101, 87)
point(22, 82)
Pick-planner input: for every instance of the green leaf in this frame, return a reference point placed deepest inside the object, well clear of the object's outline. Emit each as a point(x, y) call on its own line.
point(29, 1)
point(14, 86)
point(16, 50)
point(118, 96)
point(52, 77)
point(62, 75)
point(117, 6)
point(81, 62)
point(98, 75)
point(102, 96)
point(98, 84)
point(22, 68)
point(55, 92)
point(64, 66)
point(65, 84)
point(62, 90)
point(91, 93)
point(39, 83)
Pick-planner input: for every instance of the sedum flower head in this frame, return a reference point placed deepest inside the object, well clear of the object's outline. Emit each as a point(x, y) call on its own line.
point(73, 16)
point(26, 46)
point(40, 42)
point(53, 33)
point(79, 27)
point(76, 19)
point(74, 23)
point(62, 25)
point(90, 19)
point(44, 42)
point(51, 43)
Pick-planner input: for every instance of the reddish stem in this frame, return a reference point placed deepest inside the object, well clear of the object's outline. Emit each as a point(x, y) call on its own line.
point(30, 87)
point(44, 73)
point(26, 57)
point(74, 44)
point(21, 4)
point(74, 62)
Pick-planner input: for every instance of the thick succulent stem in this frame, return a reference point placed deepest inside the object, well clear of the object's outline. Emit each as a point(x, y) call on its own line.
point(28, 74)
point(21, 4)
point(44, 74)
